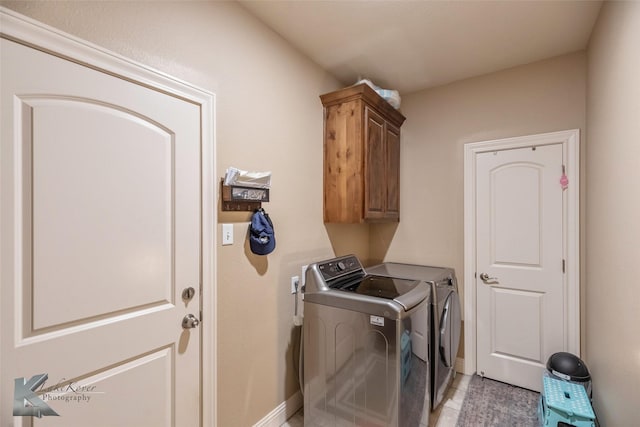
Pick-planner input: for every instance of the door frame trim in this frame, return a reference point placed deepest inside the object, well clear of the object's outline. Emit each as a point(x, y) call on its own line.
point(570, 140)
point(32, 33)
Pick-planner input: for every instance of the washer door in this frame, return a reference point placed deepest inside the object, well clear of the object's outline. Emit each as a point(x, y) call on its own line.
point(450, 322)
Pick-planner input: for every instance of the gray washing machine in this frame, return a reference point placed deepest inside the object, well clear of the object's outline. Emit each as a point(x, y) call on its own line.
point(445, 319)
point(366, 348)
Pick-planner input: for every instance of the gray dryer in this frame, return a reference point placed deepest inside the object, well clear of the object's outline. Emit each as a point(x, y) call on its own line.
point(445, 319)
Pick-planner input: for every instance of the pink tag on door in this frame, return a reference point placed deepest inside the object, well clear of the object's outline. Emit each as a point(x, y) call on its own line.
point(564, 181)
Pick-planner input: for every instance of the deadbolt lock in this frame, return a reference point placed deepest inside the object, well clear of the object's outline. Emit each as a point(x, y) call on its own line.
point(188, 293)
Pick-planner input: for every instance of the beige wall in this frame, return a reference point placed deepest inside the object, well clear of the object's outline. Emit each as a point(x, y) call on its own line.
point(269, 117)
point(613, 213)
point(541, 97)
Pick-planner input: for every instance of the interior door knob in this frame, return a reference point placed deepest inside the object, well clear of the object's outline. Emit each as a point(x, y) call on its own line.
point(190, 321)
point(485, 278)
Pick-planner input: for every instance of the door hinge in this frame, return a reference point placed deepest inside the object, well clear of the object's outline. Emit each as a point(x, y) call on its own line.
point(563, 266)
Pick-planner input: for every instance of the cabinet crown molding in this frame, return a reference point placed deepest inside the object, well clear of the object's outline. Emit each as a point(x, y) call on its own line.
point(365, 92)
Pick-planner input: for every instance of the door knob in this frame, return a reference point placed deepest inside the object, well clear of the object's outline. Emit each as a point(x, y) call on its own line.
point(190, 321)
point(485, 278)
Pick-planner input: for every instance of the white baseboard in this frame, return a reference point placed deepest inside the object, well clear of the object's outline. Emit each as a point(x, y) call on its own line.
point(282, 412)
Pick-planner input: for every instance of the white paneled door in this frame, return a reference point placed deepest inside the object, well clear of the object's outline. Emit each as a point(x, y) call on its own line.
point(521, 300)
point(100, 234)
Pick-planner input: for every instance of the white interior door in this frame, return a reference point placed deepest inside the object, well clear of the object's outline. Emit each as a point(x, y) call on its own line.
point(100, 234)
point(521, 306)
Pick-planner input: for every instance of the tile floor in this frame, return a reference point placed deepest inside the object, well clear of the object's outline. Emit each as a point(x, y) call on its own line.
point(445, 416)
point(296, 421)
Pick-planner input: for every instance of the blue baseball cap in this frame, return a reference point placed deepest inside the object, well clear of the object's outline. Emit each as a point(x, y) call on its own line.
point(262, 239)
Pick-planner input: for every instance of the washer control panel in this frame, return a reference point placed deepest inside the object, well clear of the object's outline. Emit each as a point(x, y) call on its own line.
point(339, 267)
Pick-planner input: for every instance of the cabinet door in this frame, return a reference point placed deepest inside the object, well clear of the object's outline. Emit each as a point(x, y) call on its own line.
point(343, 163)
point(374, 166)
point(392, 210)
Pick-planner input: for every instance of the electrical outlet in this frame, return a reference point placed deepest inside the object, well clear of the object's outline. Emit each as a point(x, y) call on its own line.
point(295, 281)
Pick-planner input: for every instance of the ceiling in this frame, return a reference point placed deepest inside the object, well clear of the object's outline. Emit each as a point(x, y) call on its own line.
point(413, 45)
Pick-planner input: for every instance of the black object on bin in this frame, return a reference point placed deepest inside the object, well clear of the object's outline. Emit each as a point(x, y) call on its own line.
point(569, 367)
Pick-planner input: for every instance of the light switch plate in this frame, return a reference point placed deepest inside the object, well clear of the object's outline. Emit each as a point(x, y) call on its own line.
point(227, 234)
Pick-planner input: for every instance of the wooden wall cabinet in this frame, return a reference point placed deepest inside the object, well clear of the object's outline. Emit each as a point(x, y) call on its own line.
point(361, 157)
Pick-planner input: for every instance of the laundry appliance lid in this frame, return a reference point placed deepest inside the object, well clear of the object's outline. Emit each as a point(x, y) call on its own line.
point(382, 296)
point(343, 283)
point(411, 271)
point(407, 293)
